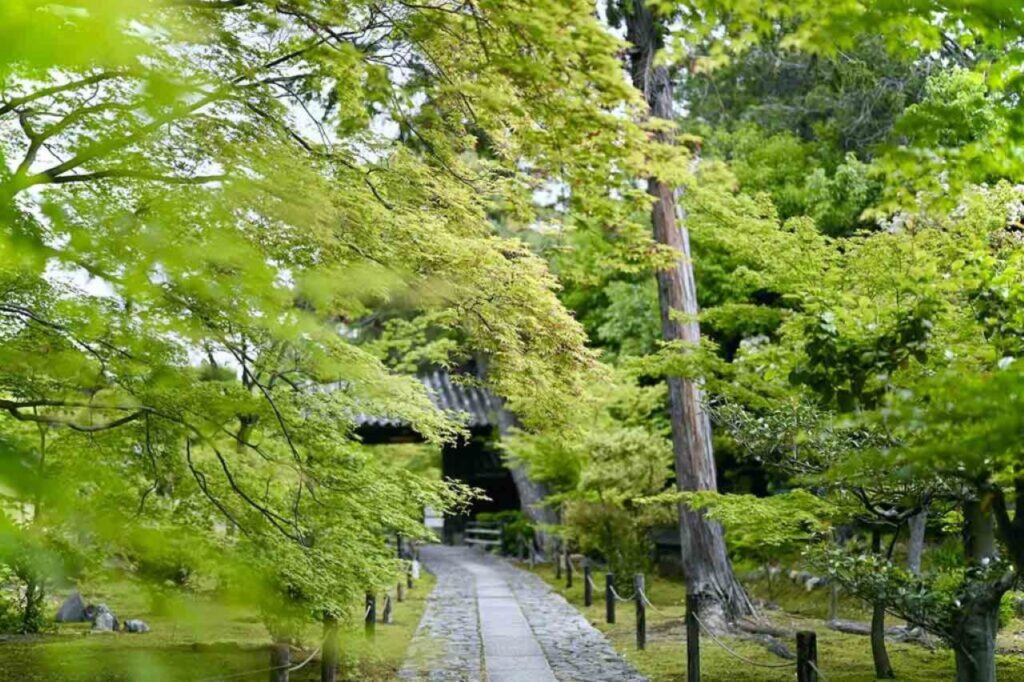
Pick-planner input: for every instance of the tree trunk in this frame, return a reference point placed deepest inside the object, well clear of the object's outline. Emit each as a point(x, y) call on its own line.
point(833, 602)
point(329, 653)
point(280, 661)
point(977, 619)
point(883, 668)
point(709, 574)
point(915, 543)
point(35, 594)
point(975, 630)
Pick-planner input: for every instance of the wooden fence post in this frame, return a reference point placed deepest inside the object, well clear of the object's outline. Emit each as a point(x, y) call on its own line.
point(692, 639)
point(609, 597)
point(280, 661)
point(386, 615)
point(408, 574)
point(533, 554)
point(588, 591)
point(641, 611)
point(329, 656)
point(806, 657)
point(371, 614)
point(558, 559)
point(568, 571)
point(400, 591)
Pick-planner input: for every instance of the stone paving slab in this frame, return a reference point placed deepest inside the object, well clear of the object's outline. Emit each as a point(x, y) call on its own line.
point(489, 621)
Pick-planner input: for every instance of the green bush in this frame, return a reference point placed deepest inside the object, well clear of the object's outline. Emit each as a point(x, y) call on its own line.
point(516, 528)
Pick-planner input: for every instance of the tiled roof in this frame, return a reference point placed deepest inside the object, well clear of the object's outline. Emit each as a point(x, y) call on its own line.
point(478, 406)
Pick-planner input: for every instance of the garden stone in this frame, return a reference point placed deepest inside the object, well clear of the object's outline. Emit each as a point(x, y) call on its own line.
point(135, 625)
point(104, 621)
point(72, 610)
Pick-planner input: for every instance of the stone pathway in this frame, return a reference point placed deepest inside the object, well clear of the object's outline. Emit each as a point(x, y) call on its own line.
point(489, 621)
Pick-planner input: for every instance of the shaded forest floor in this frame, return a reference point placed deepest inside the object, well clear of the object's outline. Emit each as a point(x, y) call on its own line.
point(840, 656)
point(195, 638)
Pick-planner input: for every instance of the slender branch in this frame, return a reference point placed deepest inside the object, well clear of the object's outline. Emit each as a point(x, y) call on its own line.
point(208, 4)
point(56, 89)
point(200, 478)
point(69, 423)
point(139, 175)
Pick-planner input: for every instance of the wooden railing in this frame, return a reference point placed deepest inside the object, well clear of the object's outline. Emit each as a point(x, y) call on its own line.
point(481, 534)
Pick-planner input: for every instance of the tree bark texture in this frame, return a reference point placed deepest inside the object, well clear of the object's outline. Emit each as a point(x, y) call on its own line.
point(706, 565)
point(915, 543)
point(329, 653)
point(883, 667)
point(977, 619)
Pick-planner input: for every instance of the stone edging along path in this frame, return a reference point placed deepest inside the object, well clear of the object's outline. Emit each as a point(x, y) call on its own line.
point(488, 621)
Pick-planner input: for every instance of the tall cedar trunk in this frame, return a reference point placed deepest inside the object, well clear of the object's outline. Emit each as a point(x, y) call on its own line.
point(915, 543)
point(977, 619)
point(706, 565)
point(883, 668)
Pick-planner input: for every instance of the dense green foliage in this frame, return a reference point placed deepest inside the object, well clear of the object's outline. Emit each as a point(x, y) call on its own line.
point(229, 228)
point(208, 208)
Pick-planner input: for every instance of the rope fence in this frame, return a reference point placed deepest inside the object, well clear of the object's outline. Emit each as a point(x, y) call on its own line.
point(806, 660)
point(291, 668)
point(620, 598)
point(738, 656)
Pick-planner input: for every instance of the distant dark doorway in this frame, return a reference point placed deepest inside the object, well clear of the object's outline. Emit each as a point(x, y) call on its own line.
point(476, 461)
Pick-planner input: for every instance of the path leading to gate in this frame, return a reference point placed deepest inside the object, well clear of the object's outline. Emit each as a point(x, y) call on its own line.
point(490, 621)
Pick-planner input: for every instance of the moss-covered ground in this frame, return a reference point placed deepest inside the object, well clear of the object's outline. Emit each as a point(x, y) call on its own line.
point(841, 657)
point(194, 638)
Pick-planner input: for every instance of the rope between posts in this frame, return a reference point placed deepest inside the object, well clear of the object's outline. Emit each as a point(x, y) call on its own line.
point(620, 597)
point(366, 614)
point(738, 656)
point(817, 670)
point(591, 581)
point(291, 668)
point(643, 595)
point(308, 659)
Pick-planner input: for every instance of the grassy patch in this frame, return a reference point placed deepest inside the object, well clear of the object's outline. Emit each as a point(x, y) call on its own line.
point(195, 638)
point(841, 656)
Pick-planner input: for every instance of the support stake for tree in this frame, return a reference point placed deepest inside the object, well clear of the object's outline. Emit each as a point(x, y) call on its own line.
point(641, 612)
point(280, 661)
point(609, 597)
point(692, 639)
point(588, 591)
point(371, 614)
point(806, 657)
point(329, 655)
